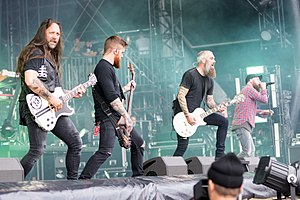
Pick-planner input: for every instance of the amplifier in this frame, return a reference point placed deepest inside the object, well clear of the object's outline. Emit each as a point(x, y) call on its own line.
point(294, 153)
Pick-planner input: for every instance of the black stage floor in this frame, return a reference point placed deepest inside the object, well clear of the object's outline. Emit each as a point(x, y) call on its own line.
point(140, 188)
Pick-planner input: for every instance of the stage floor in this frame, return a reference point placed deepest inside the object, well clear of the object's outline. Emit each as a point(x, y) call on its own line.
point(140, 188)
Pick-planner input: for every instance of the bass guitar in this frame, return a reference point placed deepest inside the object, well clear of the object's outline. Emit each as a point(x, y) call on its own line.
point(122, 135)
point(184, 129)
point(44, 114)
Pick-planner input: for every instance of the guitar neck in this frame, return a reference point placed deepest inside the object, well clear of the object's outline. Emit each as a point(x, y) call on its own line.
point(129, 106)
point(75, 91)
point(213, 110)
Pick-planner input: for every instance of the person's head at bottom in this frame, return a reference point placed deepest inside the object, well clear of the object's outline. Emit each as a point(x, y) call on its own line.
point(225, 178)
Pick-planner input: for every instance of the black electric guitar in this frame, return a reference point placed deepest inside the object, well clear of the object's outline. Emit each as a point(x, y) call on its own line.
point(44, 114)
point(122, 134)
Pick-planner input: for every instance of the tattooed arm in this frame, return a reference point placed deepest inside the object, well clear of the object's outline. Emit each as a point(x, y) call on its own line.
point(210, 102)
point(183, 105)
point(37, 86)
point(117, 105)
point(182, 100)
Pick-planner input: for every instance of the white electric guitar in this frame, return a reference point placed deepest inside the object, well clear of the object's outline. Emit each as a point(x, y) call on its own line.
point(184, 129)
point(44, 114)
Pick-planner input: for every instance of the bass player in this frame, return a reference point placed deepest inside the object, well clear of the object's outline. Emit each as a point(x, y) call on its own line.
point(108, 96)
point(40, 72)
point(196, 86)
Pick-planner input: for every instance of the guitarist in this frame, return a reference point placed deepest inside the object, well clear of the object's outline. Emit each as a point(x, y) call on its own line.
point(40, 71)
point(108, 93)
point(197, 85)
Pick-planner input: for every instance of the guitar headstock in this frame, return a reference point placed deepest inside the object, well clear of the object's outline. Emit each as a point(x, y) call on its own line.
point(131, 69)
point(92, 79)
point(239, 98)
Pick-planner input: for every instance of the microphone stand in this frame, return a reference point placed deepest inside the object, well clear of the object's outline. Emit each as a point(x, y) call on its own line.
point(271, 123)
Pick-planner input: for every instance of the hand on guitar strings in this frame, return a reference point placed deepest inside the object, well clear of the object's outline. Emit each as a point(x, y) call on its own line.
point(191, 119)
point(222, 107)
point(55, 103)
point(129, 85)
point(80, 92)
point(128, 123)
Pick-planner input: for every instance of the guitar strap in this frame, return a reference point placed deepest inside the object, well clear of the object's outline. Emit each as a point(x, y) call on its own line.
point(204, 103)
point(109, 114)
point(105, 108)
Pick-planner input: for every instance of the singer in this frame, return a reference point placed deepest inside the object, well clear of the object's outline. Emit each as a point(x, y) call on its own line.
point(244, 113)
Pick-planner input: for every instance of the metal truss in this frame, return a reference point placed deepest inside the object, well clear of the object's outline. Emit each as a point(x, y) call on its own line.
point(271, 21)
point(166, 36)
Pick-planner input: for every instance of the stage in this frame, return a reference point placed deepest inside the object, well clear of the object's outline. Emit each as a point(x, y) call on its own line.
point(146, 187)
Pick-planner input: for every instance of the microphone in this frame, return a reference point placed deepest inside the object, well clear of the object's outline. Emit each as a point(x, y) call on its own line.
point(270, 83)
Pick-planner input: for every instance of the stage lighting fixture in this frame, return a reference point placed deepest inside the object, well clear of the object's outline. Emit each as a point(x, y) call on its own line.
point(264, 5)
point(266, 2)
point(285, 179)
point(255, 70)
point(266, 35)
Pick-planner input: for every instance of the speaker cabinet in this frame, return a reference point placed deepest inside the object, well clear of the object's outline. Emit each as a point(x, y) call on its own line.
point(11, 170)
point(199, 164)
point(294, 153)
point(165, 166)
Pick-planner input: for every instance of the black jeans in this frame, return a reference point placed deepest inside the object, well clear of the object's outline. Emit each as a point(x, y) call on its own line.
point(64, 130)
point(213, 119)
point(106, 145)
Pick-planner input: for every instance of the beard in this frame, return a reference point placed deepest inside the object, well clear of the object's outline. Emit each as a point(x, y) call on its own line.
point(209, 71)
point(257, 87)
point(117, 62)
point(52, 45)
point(206, 68)
point(212, 73)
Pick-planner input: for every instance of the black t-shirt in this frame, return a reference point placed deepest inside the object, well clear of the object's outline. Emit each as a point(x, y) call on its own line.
point(108, 87)
point(47, 73)
point(195, 82)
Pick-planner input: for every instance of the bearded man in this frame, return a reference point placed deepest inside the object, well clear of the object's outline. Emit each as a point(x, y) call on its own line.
point(197, 85)
point(244, 113)
point(108, 96)
point(40, 70)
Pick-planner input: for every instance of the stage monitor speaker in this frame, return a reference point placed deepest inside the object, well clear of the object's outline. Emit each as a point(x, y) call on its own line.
point(293, 152)
point(11, 170)
point(165, 166)
point(199, 164)
point(253, 162)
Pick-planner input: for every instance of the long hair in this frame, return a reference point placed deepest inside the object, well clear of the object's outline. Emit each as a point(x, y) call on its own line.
point(113, 42)
point(39, 42)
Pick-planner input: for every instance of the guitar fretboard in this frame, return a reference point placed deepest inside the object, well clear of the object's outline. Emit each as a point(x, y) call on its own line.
point(213, 110)
point(74, 91)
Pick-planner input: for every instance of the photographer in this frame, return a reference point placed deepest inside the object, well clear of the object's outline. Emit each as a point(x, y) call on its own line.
point(225, 179)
